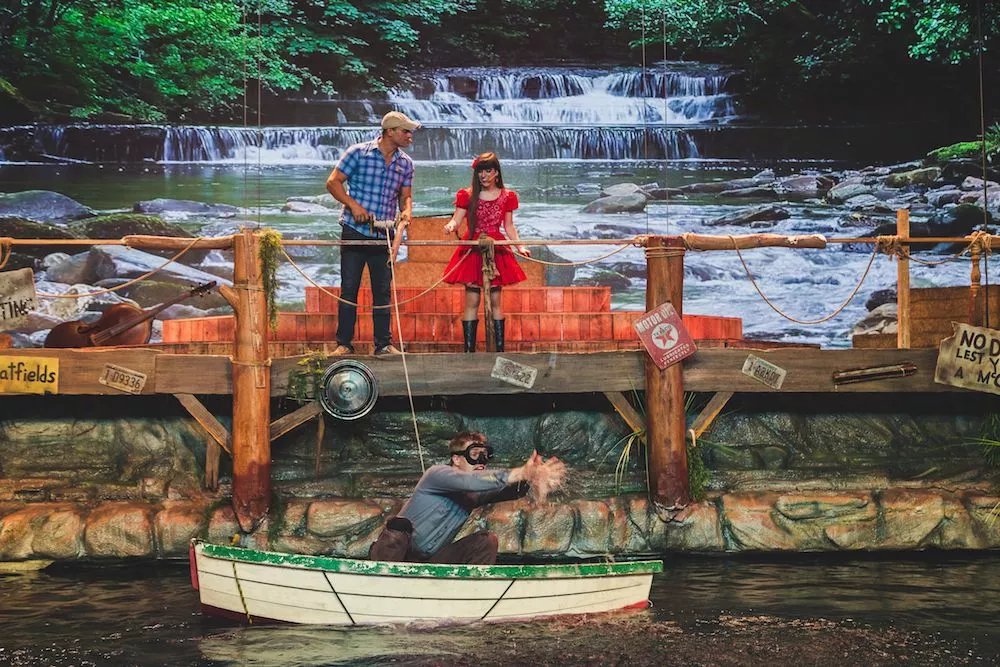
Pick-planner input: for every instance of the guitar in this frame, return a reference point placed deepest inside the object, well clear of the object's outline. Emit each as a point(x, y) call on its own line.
point(118, 325)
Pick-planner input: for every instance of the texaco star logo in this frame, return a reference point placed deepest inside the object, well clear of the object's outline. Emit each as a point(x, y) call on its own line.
point(665, 336)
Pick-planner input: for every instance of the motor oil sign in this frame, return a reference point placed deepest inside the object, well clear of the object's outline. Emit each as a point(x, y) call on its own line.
point(970, 359)
point(662, 332)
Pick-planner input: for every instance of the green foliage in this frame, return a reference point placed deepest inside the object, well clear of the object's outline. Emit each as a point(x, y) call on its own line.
point(972, 149)
point(303, 381)
point(270, 257)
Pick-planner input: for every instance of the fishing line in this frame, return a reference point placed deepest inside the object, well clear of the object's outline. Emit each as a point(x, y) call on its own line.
point(982, 129)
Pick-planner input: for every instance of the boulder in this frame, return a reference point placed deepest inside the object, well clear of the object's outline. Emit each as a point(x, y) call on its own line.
point(23, 228)
point(121, 262)
point(747, 216)
point(306, 208)
point(120, 225)
point(880, 320)
point(805, 186)
point(947, 195)
point(185, 207)
point(621, 190)
point(42, 205)
point(847, 189)
point(923, 176)
point(604, 278)
point(757, 192)
point(632, 203)
point(881, 297)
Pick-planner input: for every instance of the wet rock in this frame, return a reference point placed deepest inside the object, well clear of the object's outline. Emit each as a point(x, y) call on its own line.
point(594, 533)
point(72, 269)
point(185, 206)
point(973, 184)
point(868, 204)
point(881, 297)
point(176, 524)
point(847, 189)
point(944, 196)
point(629, 269)
point(306, 208)
point(548, 529)
point(181, 311)
point(22, 228)
point(663, 194)
point(633, 203)
point(604, 278)
point(749, 193)
point(121, 262)
point(622, 190)
point(504, 519)
point(222, 525)
point(697, 529)
point(617, 231)
point(750, 522)
point(42, 206)
point(982, 510)
point(805, 186)
point(746, 216)
point(152, 292)
point(588, 188)
point(922, 176)
point(326, 199)
point(336, 518)
point(559, 274)
point(119, 530)
point(909, 518)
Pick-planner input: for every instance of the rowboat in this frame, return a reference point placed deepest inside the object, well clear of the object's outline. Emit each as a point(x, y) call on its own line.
point(257, 586)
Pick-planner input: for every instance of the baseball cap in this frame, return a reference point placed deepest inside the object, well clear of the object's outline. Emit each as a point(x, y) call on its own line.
point(396, 119)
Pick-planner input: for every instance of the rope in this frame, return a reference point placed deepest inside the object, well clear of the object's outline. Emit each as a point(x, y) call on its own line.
point(243, 601)
point(836, 312)
point(399, 303)
point(581, 262)
point(402, 354)
point(488, 249)
point(6, 250)
point(125, 284)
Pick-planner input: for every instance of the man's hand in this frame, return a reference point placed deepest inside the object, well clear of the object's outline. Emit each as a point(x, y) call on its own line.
point(405, 220)
point(360, 214)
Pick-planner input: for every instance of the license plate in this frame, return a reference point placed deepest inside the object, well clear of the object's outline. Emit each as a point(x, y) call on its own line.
point(764, 372)
point(123, 379)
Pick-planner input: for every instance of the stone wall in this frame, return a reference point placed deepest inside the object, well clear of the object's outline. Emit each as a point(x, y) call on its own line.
point(889, 520)
point(95, 478)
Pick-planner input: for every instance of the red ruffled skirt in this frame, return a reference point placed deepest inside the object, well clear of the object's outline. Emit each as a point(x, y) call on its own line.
point(466, 267)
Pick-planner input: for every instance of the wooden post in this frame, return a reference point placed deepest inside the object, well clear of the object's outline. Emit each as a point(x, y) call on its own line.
point(903, 282)
point(975, 277)
point(668, 472)
point(251, 384)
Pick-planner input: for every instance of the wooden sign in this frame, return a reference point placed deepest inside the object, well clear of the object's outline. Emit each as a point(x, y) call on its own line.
point(29, 375)
point(662, 332)
point(124, 379)
point(17, 297)
point(511, 372)
point(764, 371)
point(970, 359)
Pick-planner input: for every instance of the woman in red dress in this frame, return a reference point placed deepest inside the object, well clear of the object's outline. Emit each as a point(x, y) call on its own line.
point(486, 206)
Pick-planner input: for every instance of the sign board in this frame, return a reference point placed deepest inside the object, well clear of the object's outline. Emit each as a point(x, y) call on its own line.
point(662, 332)
point(511, 372)
point(764, 371)
point(124, 379)
point(970, 359)
point(17, 297)
point(29, 375)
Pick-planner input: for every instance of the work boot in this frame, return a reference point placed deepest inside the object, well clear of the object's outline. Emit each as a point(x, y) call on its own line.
point(469, 328)
point(498, 330)
point(387, 349)
point(341, 350)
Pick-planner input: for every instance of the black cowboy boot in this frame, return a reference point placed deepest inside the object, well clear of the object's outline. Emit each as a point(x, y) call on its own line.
point(498, 329)
point(469, 334)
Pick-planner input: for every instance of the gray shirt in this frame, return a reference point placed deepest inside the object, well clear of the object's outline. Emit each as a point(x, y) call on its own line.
point(444, 498)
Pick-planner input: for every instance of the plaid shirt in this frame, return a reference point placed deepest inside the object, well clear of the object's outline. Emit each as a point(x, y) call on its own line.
point(373, 184)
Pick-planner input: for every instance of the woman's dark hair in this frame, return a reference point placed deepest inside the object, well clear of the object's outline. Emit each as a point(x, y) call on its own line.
point(482, 163)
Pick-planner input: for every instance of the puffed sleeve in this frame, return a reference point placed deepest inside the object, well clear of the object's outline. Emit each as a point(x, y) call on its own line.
point(510, 202)
point(462, 198)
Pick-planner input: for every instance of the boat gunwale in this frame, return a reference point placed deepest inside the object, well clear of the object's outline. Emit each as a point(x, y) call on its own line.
point(433, 570)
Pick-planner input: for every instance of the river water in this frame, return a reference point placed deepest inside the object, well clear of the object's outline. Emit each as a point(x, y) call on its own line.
point(562, 133)
point(919, 610)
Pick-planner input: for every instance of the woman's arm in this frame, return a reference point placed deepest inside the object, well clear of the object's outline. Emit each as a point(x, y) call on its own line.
point(456, 219)
point(511, 231)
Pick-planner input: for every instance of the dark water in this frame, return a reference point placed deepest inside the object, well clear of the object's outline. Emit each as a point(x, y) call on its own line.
point(713, 611)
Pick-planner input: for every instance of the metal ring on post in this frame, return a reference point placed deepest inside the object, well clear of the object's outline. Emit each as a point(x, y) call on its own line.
point(348, 390)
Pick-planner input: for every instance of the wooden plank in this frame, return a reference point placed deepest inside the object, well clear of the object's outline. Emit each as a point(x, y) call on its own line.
point(207, 421)
point(193, 374)
point(635, 421)
point(212, 455)
point(708, 370)
point(292, 420)
point(81, 369)
point(710, 412)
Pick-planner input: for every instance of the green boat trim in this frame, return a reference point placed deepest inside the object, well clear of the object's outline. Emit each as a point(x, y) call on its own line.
point(351, 566)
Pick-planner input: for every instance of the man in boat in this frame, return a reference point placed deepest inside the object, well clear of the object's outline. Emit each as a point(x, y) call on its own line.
point(371, 180)
point(445, 496)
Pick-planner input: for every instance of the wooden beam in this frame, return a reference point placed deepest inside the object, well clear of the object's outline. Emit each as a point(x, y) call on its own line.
point(194, 374)
point(80, 371)
point(207, 420)
point(280, 427)
point(710, 412)
point(212, 455)
point(635, 421)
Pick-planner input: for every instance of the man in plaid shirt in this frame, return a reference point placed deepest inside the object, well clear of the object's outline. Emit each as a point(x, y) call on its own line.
point(371, 180)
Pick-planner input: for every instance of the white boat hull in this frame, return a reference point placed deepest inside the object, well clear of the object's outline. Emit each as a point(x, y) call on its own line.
point(259, 585)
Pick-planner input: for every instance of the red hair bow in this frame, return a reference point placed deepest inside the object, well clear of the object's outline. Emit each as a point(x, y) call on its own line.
point(475, 162)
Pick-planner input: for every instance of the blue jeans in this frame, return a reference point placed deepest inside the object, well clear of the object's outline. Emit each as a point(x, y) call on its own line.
point(352, 265)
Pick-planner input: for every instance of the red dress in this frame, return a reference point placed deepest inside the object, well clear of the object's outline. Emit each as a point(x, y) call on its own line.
point(489, 219)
